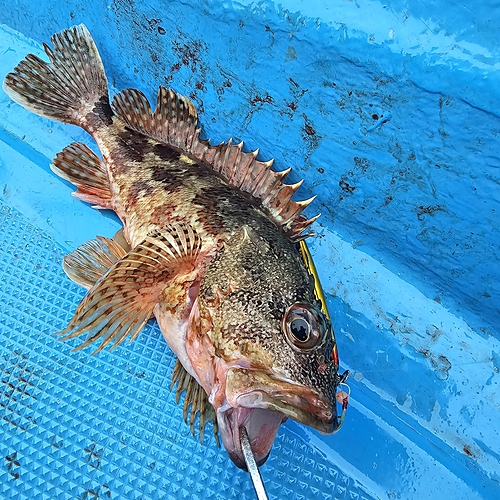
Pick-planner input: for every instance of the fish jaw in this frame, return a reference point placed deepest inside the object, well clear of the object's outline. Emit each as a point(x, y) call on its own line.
point(260, 403)
point(260, 389)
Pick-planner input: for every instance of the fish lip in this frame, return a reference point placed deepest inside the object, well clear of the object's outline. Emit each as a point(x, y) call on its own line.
point(269, 392)
point(288, 408)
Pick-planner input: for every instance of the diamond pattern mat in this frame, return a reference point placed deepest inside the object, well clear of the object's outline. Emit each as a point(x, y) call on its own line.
point(74, 426)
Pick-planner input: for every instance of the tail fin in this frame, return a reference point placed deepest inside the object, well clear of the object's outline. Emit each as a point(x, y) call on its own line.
point(71, 88)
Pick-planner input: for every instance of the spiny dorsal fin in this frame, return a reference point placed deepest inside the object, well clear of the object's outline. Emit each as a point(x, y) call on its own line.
point(174, 123)
point(122, 300)
point(78, 164)
point(197, 398)
point(67, 88)
point(257, 178)
point(90, 261)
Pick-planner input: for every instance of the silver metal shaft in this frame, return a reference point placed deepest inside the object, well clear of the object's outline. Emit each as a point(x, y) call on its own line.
point(252, 465)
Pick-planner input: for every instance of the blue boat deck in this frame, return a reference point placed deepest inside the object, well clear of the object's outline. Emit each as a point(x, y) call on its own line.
point(396, 133)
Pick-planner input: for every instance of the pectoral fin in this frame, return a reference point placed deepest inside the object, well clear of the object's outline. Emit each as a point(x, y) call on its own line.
point(120, 303)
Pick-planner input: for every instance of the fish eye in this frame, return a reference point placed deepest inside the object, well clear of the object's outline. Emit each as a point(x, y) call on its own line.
point(301, 327)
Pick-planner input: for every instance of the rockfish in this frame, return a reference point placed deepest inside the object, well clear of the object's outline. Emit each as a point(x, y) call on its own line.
point(210, 247)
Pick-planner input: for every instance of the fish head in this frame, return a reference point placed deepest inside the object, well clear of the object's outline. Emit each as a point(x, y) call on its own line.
point(269, 352)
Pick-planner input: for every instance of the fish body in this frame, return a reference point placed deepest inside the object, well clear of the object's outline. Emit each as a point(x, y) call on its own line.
point(209, 248)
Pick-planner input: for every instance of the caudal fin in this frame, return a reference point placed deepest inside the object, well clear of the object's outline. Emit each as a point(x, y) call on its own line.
point(71, 88)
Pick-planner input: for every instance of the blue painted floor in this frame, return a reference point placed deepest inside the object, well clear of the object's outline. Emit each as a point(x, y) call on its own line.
point(425, 362)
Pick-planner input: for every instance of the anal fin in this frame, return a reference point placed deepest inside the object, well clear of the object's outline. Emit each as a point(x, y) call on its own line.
point(78, 164)
point(121, 302)
point(197, 399)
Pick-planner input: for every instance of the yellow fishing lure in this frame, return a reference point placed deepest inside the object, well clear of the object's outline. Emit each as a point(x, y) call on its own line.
point(343, 390)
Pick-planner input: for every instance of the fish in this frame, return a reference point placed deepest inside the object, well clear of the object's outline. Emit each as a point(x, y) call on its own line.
point(212, 246)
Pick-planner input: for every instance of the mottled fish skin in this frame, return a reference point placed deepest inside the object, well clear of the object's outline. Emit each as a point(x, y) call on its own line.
point(274, 268)
point(153, 184)
point(211, 237)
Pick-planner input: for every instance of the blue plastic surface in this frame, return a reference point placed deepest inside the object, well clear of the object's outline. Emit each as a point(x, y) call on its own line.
point(74, 426)
point(389, 110)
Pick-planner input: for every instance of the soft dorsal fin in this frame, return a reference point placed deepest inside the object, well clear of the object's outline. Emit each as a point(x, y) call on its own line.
point(122, 300)
point(174, 123)
point(78, 164)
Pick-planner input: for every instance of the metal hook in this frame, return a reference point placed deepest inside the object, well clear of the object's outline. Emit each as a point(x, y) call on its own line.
point(251, 464)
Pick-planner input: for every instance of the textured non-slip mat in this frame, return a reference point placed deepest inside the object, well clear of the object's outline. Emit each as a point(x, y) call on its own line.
point(74, 426)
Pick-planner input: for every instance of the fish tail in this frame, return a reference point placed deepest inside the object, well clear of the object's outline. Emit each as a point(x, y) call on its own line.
point(71, 88)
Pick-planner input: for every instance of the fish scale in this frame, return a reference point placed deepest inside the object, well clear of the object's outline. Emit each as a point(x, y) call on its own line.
point(209, 246)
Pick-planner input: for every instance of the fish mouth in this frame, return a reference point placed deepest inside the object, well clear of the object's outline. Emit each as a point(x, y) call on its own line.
point(261, 403)
point(261, 426)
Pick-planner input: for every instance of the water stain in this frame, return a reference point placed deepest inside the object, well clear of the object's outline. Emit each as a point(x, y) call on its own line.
point(93, 456)
point(422, 210)
point(468, 451)
point(434, 332)
point(12, 463)
point(19, 391)
point(297, 93)
point(310, 136)
point(346, 187)
point(291, 54)
point(97, 493)
point(441, 364)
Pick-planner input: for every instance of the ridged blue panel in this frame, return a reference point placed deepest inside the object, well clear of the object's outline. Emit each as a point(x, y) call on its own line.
point(79, 427)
